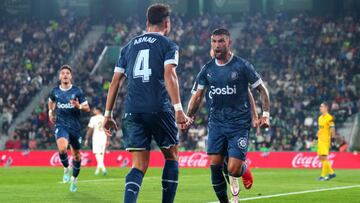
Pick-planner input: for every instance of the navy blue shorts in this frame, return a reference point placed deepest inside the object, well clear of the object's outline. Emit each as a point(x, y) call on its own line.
point(223, 140)
point(73, 137)
point(140, 128)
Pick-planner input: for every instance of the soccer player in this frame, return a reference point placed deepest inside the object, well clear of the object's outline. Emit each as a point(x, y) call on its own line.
point(65, 103)
point(149, 63)
point(233, 181)
point(99, 139)
point(325, 133)
point(226, 79)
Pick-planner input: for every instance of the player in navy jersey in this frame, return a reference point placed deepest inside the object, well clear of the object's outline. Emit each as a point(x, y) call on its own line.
point(149, 62)
point(226, 79)
point(65, 103)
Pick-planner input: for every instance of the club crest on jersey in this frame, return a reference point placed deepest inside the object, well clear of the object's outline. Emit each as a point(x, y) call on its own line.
point(222, 91)
point(234, 75)
point(242, 143)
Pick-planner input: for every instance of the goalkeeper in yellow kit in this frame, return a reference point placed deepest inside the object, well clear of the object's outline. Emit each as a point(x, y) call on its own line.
point(324, 134)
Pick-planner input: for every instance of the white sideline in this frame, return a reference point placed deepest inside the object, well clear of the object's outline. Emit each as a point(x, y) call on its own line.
point(297, 193)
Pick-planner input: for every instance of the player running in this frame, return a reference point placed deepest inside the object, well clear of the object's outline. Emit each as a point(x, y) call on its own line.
point(325, 133)
point(226, 78)
point(65, 103)
point(233, 181)
point(99, 139)
point(149, 63)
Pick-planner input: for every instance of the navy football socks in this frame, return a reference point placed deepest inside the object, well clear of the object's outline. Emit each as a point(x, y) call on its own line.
point(219, 183)
point(64, 159)
point(170, 180)
point(132, 185)
point(76, 168)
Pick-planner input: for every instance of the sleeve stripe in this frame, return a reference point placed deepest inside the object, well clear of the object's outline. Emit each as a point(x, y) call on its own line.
point(119, 70)
point(50, 100)
point(171, 61)
point(257, 83)
point(201, 87)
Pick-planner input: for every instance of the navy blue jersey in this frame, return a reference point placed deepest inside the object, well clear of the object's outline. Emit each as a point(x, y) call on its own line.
point(143, 60)
point(227, 91)
point(66, 114)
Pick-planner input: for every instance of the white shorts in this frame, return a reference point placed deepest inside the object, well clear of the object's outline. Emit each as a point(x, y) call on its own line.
point(99, 148)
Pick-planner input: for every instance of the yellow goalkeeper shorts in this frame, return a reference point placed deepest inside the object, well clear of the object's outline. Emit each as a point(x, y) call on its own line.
point(323, 148)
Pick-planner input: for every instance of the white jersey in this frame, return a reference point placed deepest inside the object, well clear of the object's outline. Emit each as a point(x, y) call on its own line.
point(99, 136)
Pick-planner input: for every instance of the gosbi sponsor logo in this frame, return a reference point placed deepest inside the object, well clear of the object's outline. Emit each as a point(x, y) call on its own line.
point(222, 91)
point(194, 160)
point(302, 161)
point(55, 159)
point(64, 105)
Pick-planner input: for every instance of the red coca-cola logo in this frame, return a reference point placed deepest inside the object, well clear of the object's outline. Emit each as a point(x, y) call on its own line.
point(55, 159)
point(302, 161)
point(196, 159)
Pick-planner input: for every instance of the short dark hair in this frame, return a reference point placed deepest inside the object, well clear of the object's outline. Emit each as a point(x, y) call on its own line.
point(221, 31)
point(98, 108)
point(325, 104)
point(66, 66)
point(157, 13)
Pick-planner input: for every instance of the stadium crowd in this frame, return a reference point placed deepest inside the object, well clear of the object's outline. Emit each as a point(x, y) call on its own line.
point(304, 60)
point(30, 54)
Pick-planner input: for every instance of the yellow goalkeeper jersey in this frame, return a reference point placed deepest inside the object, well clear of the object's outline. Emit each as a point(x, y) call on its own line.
point(325, 123)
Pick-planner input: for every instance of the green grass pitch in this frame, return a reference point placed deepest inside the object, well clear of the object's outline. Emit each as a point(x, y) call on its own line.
point(42, 184)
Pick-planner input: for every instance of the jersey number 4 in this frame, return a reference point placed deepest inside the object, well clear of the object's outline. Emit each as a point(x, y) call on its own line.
point(141, 68)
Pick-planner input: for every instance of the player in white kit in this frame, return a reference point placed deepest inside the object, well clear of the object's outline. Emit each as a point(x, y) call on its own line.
point(99, 139)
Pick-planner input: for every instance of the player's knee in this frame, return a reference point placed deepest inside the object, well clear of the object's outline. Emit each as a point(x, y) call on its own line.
point(235, 171)
point(62, 150)
point(170, 154)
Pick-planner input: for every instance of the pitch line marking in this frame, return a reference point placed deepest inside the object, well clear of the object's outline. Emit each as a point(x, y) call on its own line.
point(297, 193)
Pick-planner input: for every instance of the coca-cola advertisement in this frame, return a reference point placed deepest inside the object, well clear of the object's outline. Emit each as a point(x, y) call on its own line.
point(186, 159)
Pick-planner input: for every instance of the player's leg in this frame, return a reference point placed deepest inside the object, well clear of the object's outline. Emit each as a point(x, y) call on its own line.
point(217, 147)
point(170, 174)
point(75, 145)
point(233, 181)
point(133, 180)
point(164, 131)
point(217, 177)
point(137, 141)
point(237, 149)
point(329, 169)
point(102, 154)
point(62, 144)
point(98, 165)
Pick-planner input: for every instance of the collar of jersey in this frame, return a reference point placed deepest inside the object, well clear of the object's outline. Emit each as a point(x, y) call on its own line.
point(231, 57)
point(62, 89)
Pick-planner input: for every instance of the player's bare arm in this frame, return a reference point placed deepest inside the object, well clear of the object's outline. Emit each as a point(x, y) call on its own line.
point(195, 102)
point(51, 113)
point(116, 83)
point(254, 116)
point(172, 87)
point(332, 132)
point(89, 134)
point(265, 100)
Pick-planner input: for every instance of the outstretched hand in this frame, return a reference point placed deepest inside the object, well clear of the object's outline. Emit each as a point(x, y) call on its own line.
point(109, 125)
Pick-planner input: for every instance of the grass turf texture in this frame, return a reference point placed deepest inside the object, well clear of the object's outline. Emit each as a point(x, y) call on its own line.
point(35, 184)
